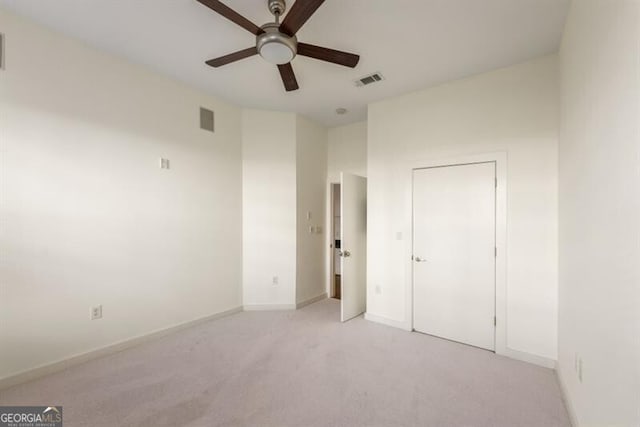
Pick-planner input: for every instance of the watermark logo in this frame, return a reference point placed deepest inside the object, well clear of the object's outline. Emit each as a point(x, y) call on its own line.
point(30, 416)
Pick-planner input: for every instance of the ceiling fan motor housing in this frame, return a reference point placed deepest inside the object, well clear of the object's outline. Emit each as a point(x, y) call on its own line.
point(274, 46)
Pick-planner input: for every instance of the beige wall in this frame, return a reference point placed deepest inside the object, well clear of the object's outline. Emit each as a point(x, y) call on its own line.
point(311, 178)
point(513, 110)
point(87, 217)
point(269, 208)
point(284, 173)
point(347, 150)
point(599, 316)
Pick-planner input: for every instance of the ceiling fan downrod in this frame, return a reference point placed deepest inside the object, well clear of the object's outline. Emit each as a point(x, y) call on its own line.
point(277, 8)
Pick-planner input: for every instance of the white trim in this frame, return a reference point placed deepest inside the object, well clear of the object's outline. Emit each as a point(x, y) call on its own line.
point(510, 353)
point(567, 401)
point(500, 159)
point(311, 300)
point(330, 239)
point(269, 307)
point(386, 321)
point(60, 365)
point(534, 359)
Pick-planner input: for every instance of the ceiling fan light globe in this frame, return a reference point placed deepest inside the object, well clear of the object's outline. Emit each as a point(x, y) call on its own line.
point(276, 53)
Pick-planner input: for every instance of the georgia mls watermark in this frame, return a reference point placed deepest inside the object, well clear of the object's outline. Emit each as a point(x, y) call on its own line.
point(30, 416)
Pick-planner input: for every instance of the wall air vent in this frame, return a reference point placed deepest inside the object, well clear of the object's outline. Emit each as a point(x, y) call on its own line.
point(206, 119)
point(1, 51)
point(370, 79)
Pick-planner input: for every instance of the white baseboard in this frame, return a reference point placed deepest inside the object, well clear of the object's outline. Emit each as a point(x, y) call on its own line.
point(60, 365)
point(567, 401)
point(311, 300)
point(529, 358)
point(386, 321)
point(269, 307)
point(513, 354)
point(283, 307)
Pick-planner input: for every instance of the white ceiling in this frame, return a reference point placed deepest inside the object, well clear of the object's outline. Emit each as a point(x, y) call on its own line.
point(413, 43)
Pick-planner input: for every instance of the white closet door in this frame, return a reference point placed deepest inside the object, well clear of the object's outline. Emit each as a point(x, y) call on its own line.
point(454, 252)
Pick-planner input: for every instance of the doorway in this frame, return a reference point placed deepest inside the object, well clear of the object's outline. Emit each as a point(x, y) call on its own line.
point(454, 252)
point(336, 278)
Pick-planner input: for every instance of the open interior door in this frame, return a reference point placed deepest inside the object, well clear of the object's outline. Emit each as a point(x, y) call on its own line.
point(353, 255)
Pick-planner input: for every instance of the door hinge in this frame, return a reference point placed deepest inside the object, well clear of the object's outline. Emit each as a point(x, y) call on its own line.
point(495, 251)
point(495, 321)
point(496, 182)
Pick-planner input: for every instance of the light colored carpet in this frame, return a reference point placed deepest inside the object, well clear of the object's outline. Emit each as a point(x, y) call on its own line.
point(300, 368)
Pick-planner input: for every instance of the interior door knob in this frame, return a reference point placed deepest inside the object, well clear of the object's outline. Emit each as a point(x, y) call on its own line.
point(418, 259)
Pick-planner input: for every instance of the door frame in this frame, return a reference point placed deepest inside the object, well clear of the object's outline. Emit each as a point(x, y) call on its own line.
point(329, 224)
point(331, 279)
point(500, 159)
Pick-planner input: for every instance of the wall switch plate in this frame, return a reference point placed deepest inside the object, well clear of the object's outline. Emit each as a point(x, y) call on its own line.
point(398, 235)
point(96, 312)
point(164, 163)
point(580, 369)
point(275, 280)
point(311, 229)
point(308, 215)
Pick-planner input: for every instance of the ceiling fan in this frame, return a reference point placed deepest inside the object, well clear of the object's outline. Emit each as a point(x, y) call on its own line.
point(276, 42)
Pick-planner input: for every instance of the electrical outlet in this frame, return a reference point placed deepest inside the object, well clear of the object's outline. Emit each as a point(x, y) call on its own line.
point(275, 280)
point(378, 290)
point(96, 312)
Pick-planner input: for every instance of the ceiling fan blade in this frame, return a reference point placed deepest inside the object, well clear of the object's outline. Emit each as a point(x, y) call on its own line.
point(232, 15)
point(232, 57)
point(329, 55)
point(288, 77)
point(300, 12)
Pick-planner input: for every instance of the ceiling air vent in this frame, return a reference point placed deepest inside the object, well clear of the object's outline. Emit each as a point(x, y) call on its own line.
point(206, 119)
point(370, 79)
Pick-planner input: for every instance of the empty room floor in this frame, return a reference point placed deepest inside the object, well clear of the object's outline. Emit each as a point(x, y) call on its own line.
point(299, 368)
